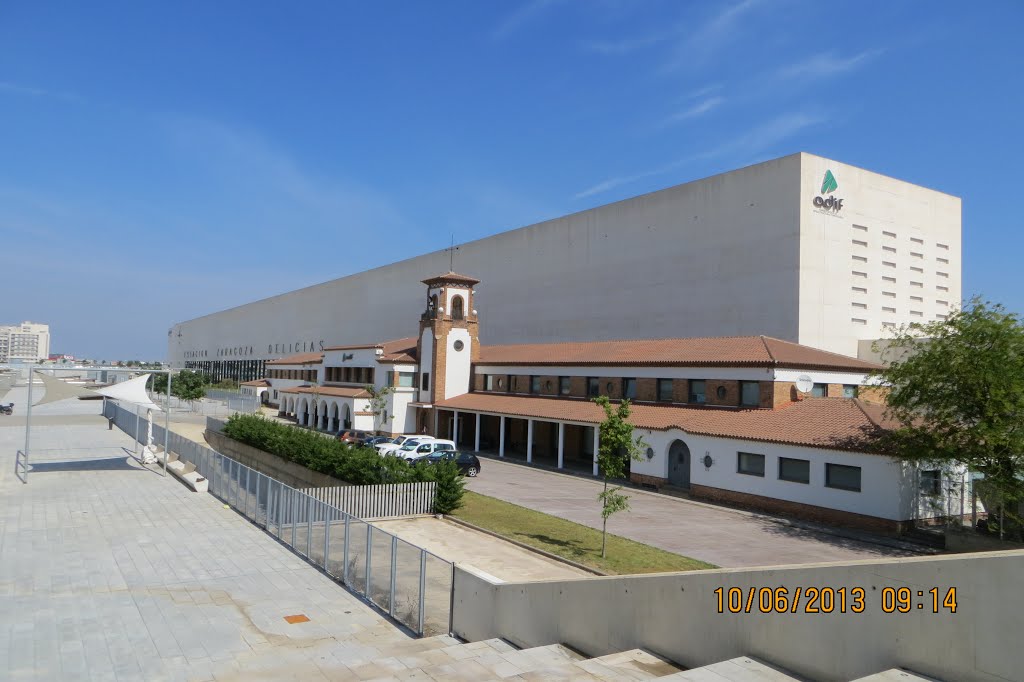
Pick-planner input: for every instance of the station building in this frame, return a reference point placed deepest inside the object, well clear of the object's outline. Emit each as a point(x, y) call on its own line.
point(721, 417)
point(801, 248)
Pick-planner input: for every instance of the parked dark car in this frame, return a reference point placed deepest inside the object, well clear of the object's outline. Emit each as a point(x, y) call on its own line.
point(352, 437)
point(469, 464)
point(376, 440)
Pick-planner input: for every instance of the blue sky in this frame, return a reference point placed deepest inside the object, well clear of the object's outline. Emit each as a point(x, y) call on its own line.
point(223, 152)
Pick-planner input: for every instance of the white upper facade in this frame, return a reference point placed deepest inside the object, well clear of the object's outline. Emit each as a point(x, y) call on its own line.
point(741, 253)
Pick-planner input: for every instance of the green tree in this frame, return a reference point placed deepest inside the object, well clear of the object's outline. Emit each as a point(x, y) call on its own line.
point(957, 392)
point(379, 404)
point(615, 449)
point(188, 385)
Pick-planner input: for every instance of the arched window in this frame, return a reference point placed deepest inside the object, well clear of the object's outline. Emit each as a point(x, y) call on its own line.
point(432, 306)
point(457, 308)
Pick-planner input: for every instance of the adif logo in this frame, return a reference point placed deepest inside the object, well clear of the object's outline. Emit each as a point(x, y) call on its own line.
point(828, 185)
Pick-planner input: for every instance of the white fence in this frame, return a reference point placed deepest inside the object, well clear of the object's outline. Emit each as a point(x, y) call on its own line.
point(379, 501)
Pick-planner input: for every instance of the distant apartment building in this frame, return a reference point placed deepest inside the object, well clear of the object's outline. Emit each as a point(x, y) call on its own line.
point(25, 342)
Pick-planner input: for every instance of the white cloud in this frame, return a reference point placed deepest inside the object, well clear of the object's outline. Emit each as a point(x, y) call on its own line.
point(14, 88)
point(695, 110)
point(753, 141)
point(520, 17)
point(714, 34)
point(826, 64)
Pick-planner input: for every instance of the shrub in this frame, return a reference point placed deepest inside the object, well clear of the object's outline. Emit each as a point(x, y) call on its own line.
point(450, 486)
point(355, 465)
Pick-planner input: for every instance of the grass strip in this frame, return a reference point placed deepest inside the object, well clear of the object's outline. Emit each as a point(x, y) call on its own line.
point(581, 544)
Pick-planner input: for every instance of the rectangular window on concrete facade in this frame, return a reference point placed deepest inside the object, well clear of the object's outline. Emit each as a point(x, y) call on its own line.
point(750, 393)
point(425, 383)
point(850, 390)
point(819, 390)
point(629, 389)
point(930, 482)
point(593, 387)
point(408, 380)
point(534, 384)
point(390, 379)
point(488, 382)
point(749, 464)
point(564, 386)
point(697, 387)
point(794, 470)
point(665, 392)
point(842, 477)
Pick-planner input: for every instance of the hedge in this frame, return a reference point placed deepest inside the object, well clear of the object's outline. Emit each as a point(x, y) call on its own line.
point(355, 465)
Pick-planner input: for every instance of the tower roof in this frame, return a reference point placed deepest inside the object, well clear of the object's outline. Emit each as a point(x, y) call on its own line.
point(452, 278)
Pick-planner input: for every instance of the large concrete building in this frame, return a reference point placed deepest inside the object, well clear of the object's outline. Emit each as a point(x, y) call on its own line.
point(801, 248)
point(25, 342)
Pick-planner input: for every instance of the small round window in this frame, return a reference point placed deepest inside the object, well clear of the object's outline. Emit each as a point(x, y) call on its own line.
point(458, 345)
point(720, 392)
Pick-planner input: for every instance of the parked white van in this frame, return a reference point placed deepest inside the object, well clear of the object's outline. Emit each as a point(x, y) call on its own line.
point(413, 452)
point(390, 448)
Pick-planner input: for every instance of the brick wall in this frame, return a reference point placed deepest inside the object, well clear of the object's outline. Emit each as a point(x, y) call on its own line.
point(798, 510)
point(578, 386)
point(732, 392)
point(644, 479)
point(835, 391)
point(549, 385)
point(647, 390)
point(873, 394)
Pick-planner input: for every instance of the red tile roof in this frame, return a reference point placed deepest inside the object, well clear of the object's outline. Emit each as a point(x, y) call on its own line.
point(300, 359)
point(832, 423)
point(332, 391)
point(723, 351)
point(451, 278)
point(395, 350)
point(256, 382)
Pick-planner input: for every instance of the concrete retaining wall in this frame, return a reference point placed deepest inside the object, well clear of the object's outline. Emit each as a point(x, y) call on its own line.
point(289, 473)
point(676, 615)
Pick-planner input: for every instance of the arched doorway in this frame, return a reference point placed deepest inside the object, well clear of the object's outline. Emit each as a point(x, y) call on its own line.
point(679, 464)
point(332, 422)
point(347, 422)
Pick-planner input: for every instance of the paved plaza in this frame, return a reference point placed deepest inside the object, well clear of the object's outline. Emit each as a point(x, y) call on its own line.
point(109, 571)
point(724, 537)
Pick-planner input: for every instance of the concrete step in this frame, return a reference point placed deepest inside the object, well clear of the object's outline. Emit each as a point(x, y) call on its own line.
point(896, 675)
point(635, 664)
point(497, 659)
point(741, 669)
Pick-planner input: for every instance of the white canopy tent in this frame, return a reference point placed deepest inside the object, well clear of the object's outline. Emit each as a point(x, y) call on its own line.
point(132, 391)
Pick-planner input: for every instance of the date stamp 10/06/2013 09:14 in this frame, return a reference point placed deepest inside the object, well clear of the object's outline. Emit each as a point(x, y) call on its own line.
point(834, 600)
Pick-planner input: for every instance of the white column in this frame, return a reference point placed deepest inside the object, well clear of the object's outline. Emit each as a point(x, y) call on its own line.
point(529, 440)
point(455, 428)
point(597, 442)
point(561, 444)
point(476, 441)
point(501, 437)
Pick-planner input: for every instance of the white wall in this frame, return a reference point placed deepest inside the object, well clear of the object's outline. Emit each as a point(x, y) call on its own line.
point(887, 487)
point(712, 257)
point(426, 360)
point(675, 615)
point(458, 364)
point(873, 205)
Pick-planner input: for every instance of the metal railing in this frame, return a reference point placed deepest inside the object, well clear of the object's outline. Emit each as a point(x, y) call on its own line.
point(407, 582)
point(21, 466)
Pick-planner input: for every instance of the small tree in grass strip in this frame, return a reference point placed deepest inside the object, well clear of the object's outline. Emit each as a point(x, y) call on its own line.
point(616, 447)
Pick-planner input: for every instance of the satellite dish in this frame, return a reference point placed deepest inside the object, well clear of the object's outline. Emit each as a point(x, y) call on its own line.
point(804, 383)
